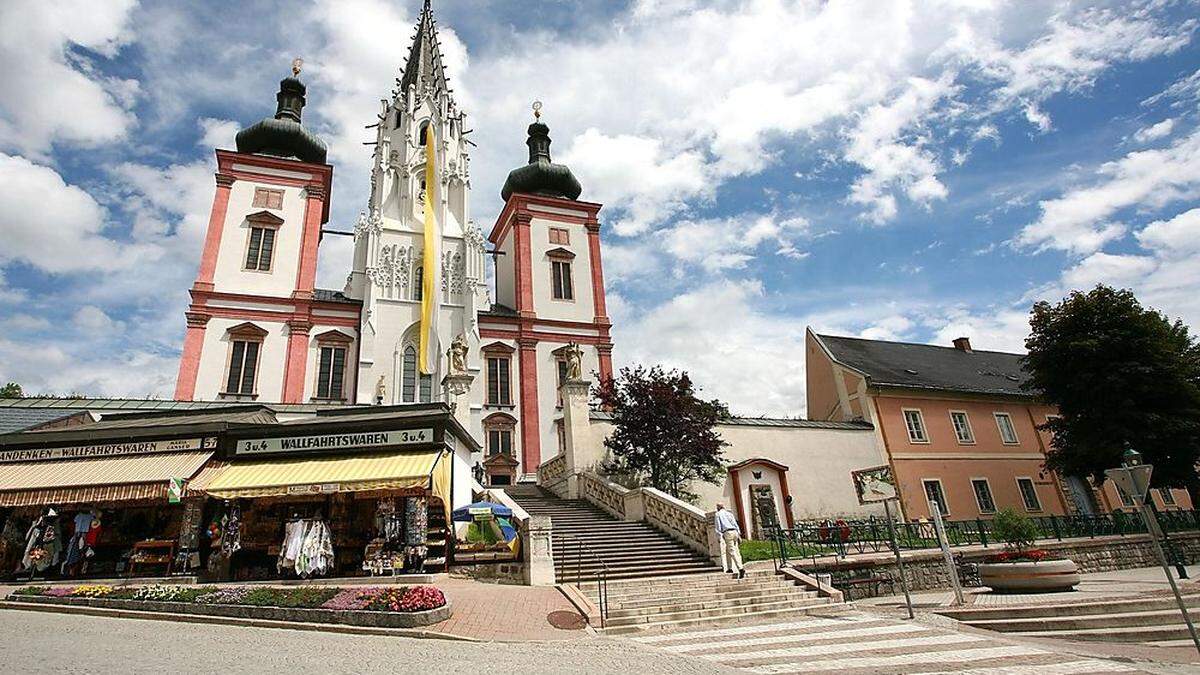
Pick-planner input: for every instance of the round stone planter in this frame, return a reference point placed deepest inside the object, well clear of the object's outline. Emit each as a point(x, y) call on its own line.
point(1030, 577)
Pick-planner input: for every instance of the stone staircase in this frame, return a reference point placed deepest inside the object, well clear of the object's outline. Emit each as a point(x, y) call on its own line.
point(630, 550)
point(676, 603)
point(1153, 620)
point(654, 582)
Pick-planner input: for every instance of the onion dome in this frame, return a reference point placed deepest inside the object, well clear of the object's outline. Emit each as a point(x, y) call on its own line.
point(282, 135)
point(541, 176)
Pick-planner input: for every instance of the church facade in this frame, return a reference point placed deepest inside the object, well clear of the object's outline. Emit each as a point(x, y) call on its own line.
point(259, 330)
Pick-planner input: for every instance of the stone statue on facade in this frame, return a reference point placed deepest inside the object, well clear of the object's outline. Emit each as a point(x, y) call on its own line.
point(380, 391)
point(458, 355)
point(574, 362)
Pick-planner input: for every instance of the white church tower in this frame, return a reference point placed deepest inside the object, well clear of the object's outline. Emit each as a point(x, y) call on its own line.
point(389, 237)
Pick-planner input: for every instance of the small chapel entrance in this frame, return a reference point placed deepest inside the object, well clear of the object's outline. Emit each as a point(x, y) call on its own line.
point(760, 496)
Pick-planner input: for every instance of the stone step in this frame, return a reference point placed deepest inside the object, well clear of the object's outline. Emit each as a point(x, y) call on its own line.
point(715, 577)
point(659, 606)
point(970, 615)
point(621, 555)
point(592, 568)
point(744, 587)
point(568, 576)
point(566, 545)
point(711, 617)
point(1147, 634)
point(1074, 624)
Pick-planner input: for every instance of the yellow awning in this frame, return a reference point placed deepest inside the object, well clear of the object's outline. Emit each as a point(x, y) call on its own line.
point(100, 479)
point(265, 478)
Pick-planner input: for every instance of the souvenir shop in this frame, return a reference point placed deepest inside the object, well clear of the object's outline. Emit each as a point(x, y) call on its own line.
point(351, 492)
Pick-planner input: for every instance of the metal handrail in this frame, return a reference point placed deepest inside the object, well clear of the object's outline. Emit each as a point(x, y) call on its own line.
point(601, 577)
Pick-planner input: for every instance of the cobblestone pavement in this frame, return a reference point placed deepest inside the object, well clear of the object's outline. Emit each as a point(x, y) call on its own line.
point(503, 612)
point(38, 642)
point(861, 642)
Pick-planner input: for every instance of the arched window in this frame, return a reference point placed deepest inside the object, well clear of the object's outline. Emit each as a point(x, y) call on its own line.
point(415, 387)
point(421, 133)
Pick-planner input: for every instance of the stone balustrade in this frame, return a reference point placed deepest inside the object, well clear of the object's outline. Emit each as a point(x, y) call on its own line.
point(605, 494)
point(553, 473)
point(683, 522)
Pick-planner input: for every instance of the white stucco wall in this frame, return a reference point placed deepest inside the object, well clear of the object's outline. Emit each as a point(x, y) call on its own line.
point(214, 359)
point(581, 308)
point(280, 281)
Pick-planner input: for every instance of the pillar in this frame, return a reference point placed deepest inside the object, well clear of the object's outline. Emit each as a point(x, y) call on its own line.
point(189, 362)
point(212, 239)
point(306, 274)
point(297, 360)
point(598, 302)
point(523, 265)
point(539, 562)
point(531, 436)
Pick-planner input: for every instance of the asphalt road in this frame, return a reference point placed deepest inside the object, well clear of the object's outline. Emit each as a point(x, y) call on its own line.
point(38, 642)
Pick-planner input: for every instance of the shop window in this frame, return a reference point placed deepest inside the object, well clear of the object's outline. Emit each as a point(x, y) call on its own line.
point(983, 495)
point(560, 236)
point(916, 426)
point(1168, 496)
point(1029, 495)
point(1008, 433)
point(934, 493)
point(563, 286)
point(267, 199)
point(499, 386)
point(260, 248)
point(962, 427)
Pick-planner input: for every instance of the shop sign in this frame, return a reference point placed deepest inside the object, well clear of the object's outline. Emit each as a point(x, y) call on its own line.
point(175, 490)
point(314, 489)
point(108, 449)
point(350, 441)
point(875, 484)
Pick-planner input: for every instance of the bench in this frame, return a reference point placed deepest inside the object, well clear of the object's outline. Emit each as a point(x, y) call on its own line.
point(846, 580)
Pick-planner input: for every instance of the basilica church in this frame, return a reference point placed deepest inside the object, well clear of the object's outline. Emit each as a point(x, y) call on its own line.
point(405, 329)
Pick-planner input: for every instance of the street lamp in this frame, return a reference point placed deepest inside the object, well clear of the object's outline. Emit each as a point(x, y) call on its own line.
point(1134, 478)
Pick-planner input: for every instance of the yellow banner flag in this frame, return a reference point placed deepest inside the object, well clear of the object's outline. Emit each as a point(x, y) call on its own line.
point(431, 269)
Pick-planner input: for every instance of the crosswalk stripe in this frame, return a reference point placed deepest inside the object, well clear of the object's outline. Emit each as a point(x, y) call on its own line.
point(800, 637)
point(749, 630)
point(957, 656)
point(1071, 668)
point(848, 647)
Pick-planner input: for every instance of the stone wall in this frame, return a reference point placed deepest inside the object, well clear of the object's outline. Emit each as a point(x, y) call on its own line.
point(926, 569)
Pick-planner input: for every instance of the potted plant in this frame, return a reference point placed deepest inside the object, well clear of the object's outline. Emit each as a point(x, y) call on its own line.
point(1021, 568)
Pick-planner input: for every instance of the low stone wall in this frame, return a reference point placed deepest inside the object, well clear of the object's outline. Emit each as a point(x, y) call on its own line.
point(346, 617)
point(926, 570)
point(510, 572)
point(552, 475)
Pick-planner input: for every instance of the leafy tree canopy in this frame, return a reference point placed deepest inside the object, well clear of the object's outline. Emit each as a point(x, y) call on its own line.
point(11, 390)
point(663, 433)
point(1119, 374)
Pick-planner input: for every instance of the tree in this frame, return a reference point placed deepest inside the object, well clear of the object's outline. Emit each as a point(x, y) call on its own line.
point(1119, 374)
point(663, 433)
point(11, 390)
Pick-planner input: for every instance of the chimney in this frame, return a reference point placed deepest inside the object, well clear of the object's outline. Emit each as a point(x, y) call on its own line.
point(963, 344)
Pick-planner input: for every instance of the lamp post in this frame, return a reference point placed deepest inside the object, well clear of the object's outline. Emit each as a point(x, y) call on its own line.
point(1134, 477)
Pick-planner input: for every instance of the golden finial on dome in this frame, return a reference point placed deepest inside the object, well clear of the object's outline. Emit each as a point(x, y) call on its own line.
point(297, 63)
point(537, 110)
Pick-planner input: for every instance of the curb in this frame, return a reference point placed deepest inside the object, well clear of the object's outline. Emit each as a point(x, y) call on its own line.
point(230, 621)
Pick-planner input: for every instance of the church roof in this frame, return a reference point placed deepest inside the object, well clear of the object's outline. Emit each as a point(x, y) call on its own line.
point(541, 176)
point(283, 135)
point(424, 65)
point(328, 295)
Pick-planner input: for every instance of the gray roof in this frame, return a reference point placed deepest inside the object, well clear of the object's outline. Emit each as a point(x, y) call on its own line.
point(329, 295)
point(853, 425)
point(918, 366)
point(499, 310)
point(15, 419)
point(108, 406)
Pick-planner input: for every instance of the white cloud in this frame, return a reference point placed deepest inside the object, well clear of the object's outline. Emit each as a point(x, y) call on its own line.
point(1001, 329)
point(215, 133)
point(1114, 270)
point(1179, 235)
point(1155, 131)
point(92, 319)
point(730, 243)
point(1182, 92)
point(50, 91)
point(1082, 220)
point(55, 367)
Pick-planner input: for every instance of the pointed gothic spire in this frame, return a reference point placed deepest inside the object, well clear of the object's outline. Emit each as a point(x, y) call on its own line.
point(424, 57)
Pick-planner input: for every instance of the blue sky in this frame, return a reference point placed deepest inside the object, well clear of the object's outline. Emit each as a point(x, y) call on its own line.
point(912, 171)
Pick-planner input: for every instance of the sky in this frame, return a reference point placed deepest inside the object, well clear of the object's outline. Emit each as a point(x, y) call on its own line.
point(898, 170)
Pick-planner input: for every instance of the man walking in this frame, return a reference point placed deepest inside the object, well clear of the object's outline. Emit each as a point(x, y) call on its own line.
point(731, 540)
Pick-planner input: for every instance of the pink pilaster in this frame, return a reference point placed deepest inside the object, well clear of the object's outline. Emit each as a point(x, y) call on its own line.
point(306, 275)
point(189, 362)
point(531, 438)
point(524, 263)
point(593, 235)
point(297, 360)
point(212, 239)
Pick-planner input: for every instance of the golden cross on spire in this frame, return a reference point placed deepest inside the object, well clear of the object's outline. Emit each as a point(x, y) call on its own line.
point(537, 110)
point(297, 63)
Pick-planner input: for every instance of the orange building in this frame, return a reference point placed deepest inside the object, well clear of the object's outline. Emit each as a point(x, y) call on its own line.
point(956, 426)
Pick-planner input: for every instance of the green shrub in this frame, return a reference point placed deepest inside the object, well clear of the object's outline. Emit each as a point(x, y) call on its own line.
point(303, 597)
point(31, 590)
point(1017, 531)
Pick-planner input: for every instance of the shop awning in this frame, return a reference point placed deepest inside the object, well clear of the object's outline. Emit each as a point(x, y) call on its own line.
point(266, 478)
point(74, 481)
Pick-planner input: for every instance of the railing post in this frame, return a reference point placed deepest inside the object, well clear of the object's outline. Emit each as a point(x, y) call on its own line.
point(982, 532)
point(1054, 526)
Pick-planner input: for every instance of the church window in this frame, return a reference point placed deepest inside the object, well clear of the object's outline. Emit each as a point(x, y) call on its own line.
point(560, 272)
point(499, 441)
point(414, 386)
point(331, 365)
point(559, 235)
point(268, 199)
point(562, 376)
point(419, 282)
point(243, 366)
point(421, 134)
point(260, 249)
point(499, 391)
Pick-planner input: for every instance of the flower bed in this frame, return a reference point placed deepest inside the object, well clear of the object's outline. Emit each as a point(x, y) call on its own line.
point(393, 607)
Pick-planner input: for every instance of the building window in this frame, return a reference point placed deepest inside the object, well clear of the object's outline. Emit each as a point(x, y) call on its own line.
point(419, 281)
point(331, 372)
point(1029, 495)
point(421, 133)
point(1168, 497)
point(260, 249)
point(243, 366)
point(983, 495)
point(560, 272)
point(499, 391)
point(267, 199)
point(916, 426)
point(559, 235)
point(1126, 499)
point(934, 493)
point(1008, 433)
point(561, 366)
point(499, 441)
point(414, 384)
point(962, 427)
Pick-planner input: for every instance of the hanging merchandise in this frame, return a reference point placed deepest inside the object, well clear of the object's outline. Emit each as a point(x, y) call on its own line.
point(416, 526)
point(293, 541)
point(44, 543)
point(231, 525)
point(389, 525)
point(316, 553)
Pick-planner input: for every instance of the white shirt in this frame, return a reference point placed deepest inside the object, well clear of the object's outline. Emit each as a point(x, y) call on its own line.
point(726, 522)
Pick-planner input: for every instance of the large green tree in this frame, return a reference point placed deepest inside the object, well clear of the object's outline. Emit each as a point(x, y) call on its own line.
point(11, 390)
point(663, 433)
point(1120, 374)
